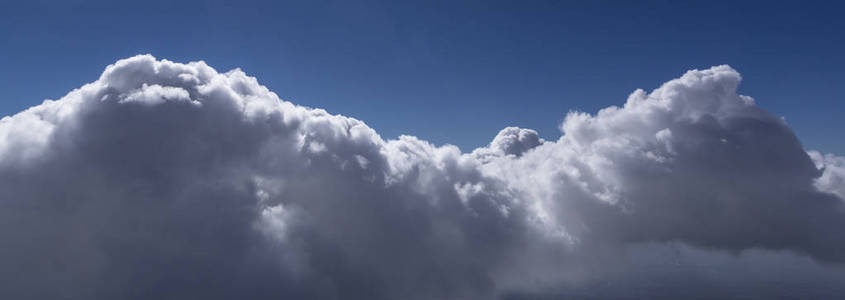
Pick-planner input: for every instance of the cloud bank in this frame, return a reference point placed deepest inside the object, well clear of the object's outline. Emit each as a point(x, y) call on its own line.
point(169, 180)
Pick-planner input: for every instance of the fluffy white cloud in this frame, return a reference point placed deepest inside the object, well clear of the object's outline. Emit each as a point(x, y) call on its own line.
point(833, 175)
point(172, 180)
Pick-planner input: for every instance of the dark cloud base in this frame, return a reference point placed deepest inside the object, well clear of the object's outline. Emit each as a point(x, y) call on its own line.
point(174, 181)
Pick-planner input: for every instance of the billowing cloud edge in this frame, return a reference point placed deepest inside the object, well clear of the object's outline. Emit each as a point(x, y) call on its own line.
point(301, 202)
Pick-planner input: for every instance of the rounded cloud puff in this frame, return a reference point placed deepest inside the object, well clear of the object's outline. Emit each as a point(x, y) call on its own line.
point(169, 180)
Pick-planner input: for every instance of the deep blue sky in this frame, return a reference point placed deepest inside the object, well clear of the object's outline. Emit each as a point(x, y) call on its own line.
point(449, 72)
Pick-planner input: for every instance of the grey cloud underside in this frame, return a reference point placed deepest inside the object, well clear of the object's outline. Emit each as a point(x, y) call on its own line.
point(168, 180)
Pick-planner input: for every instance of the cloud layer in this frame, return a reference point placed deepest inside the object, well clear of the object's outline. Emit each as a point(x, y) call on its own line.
point(169, 180)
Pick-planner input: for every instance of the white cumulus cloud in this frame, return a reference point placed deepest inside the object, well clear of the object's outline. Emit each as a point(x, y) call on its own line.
point(170, 180)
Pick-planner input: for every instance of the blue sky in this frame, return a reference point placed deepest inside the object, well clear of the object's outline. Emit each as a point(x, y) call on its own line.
point(447, 71)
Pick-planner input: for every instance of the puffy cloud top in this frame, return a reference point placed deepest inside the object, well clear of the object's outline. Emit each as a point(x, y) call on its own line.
point(169, 180)
point(515, 141)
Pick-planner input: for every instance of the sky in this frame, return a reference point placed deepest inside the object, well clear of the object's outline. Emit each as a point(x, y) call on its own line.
point(452, 150)
point(421, 67)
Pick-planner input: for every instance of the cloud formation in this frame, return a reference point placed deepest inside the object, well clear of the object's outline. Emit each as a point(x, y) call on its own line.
point(169, 180)
point(833, 173)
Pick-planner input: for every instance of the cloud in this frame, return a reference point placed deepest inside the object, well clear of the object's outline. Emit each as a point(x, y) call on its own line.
point(833, 174)
point(515, 141)
point(169, 180)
